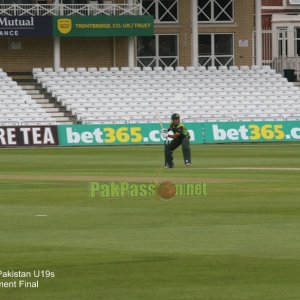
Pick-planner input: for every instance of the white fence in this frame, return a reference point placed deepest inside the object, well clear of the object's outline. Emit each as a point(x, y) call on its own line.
point(70, 9)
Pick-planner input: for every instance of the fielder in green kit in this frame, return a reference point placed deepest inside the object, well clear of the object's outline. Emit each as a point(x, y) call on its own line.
point(180, 136)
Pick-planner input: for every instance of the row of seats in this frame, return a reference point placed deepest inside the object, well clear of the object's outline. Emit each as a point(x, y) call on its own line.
point(155, 69)
point(189, 101)
point(275, 87)
point(104, 90)
point(171, 81)
point(156, 75)
point(134, 94)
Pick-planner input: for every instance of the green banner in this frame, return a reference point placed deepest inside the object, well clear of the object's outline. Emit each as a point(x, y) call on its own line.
point(119, 134)
point(149, 134)
point(236, 132)
point(84, 26)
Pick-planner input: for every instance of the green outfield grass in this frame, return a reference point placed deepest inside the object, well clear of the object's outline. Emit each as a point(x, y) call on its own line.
point(240, 242)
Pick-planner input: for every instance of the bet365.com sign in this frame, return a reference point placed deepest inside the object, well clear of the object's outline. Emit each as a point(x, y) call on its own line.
point(103, 26)
point(117, 134)
point(237, 132)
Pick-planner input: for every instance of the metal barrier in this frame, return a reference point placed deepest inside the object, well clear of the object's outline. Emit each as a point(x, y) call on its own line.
point(70, 9)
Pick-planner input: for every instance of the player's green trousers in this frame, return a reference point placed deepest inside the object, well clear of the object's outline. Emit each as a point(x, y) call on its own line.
point(174, 144)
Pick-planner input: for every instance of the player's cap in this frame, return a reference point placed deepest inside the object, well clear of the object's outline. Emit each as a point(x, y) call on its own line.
point(175, 116)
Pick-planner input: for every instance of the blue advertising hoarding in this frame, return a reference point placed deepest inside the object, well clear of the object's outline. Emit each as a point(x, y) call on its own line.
point(25, 26)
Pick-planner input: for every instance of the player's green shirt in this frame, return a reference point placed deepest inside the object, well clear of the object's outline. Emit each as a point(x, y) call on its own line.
point(179, 128)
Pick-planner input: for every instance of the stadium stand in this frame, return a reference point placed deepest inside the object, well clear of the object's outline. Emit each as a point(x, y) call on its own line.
point(122, 95)
point(17, 107)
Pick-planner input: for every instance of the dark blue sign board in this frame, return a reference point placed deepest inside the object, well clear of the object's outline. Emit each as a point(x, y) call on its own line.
point(25, 26)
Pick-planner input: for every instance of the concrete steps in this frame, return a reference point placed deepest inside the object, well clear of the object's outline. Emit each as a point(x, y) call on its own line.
point(37, 96)
point(28, 87)
point(42, 100)
point(46, 105)
point(51, 109)
point(33, 92)
point(32, 88)
point(297, 84)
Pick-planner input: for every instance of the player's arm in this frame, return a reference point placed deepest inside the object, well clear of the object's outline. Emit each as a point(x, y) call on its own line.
point(174, 136)
point(166, 130)
point(177, 134)
point(170, 127)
